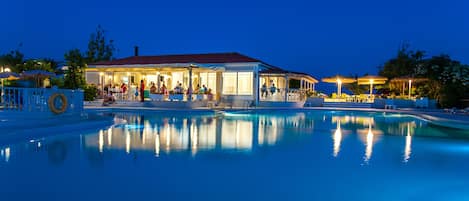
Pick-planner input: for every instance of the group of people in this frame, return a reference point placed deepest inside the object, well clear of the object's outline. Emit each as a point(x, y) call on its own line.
point(265, 92)
point(136, 92)
point(110, 91)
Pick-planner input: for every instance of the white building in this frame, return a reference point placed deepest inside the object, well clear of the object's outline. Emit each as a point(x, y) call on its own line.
point(228, 77)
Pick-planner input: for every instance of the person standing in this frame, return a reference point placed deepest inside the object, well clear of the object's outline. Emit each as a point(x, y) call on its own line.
point(142, 90)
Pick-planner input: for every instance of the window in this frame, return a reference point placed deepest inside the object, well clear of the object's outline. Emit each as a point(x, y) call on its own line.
point(229, 83)
point(237, 83)
point(245, 83)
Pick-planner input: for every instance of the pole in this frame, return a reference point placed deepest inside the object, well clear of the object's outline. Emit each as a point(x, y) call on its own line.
point(410, 87)
point(189, 98)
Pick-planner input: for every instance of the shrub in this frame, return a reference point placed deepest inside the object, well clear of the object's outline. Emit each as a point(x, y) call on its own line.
point(90, 92)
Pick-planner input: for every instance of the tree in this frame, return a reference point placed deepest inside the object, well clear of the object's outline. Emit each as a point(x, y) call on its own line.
point(99, 49)
point(12, 60)
point(74, 75)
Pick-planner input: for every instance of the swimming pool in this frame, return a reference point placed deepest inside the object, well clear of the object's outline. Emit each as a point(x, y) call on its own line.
point(280, 155)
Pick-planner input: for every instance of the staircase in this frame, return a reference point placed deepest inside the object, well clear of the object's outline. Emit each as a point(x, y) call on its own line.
point(347, 104)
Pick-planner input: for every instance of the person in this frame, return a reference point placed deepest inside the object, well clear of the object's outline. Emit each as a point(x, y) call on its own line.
point(142, 90)
point(109, 99)
point(136, 93)
point(163, 89)
point(209, 95)
point(153, 89)
point(264, 90)
point(204, 89)
point(197, 88)
point(273, 89)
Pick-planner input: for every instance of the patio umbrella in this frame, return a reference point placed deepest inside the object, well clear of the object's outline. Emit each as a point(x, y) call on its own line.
point(37, 73)
point(339, 80)
point(371, 80)
point(9, 76)
point(409, 80)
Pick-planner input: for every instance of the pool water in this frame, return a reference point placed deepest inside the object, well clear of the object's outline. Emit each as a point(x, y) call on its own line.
point(281, 155)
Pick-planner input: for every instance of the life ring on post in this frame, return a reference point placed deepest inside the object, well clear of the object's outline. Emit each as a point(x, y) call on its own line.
point(51, 103)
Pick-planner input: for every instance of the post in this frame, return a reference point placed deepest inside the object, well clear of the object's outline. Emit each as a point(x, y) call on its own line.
point(189, 98)
point(286, 87)
point(410, 87)
point(256, 85)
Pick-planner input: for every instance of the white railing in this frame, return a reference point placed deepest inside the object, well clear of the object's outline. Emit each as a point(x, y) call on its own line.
point(36, 99)
point(278, 95)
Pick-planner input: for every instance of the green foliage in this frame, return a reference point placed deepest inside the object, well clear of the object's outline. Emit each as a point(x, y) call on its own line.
point(74, 75)
point(448, 80)
point(98, 48)
point(12, 60)
point(33, 64)
point(90, 92)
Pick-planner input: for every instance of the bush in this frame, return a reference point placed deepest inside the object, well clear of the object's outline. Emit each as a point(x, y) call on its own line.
point(90, 92)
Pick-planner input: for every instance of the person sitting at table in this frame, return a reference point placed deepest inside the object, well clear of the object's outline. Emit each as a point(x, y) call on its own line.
point(163, 90)
point(153, 88)
point(109, 99)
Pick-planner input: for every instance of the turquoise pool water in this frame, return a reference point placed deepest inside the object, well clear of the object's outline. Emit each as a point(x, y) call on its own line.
point(281, 155)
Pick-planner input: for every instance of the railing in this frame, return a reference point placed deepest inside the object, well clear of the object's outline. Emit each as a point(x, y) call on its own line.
point(278, 95)
point(36, 99)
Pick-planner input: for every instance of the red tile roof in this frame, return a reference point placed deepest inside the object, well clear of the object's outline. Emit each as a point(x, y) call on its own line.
point(182, 58)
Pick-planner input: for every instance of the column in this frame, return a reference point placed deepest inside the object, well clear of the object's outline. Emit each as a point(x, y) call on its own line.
point(286, 87)
point(189, 95)
point(256, 85)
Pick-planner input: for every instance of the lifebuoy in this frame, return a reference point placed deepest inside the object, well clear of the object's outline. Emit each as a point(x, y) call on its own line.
point(51, 104)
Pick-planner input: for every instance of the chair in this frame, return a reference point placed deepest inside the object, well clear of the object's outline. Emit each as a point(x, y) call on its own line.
point(389, 104)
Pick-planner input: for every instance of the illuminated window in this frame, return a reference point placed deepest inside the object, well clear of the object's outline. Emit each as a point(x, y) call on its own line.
point(229, 83)
point(237, 83)
point(245, 83)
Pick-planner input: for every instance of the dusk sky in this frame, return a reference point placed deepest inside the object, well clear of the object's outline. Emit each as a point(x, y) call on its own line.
point(322, 38)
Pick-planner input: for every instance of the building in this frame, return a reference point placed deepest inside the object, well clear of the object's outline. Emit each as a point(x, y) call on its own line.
point(223, 77)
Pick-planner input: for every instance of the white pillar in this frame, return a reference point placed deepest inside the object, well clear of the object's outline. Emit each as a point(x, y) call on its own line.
point(286, 87)
point(256, 85)
point(410, 87)
point(189, 97)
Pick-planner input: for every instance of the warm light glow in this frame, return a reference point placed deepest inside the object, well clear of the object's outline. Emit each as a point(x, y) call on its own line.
point(109, 136)
point(337, 138)
point(194, 139)
point(371, 81)
point(7, 70)
point(408, 143)
point(101, 141)
point(157, 145)
point(127, 141)
point(369, 144)
point(101, 73)
point(339, 81)
point(7, 154)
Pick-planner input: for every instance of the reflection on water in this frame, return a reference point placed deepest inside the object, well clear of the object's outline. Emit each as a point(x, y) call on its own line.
point(235, 133)
point(337, 139)
point(408, 142)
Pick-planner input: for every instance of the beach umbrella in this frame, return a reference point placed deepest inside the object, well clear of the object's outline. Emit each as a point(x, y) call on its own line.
point(8, 76)
point(409, 80)
point(37, 74)
point(339, 80)
point(371, 80)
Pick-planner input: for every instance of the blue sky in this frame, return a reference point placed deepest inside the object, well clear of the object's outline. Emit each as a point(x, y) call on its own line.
point(322, 38)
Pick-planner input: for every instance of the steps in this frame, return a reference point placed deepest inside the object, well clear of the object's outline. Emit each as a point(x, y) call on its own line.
point(347, 104)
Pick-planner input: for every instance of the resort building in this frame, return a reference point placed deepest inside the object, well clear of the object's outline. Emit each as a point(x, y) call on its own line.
point(223, 77)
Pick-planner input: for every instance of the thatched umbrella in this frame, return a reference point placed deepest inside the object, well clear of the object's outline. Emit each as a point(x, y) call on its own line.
point(371, 80)
point(8, 76)
point(339, 80)
point(37, 74)
point(409, 80)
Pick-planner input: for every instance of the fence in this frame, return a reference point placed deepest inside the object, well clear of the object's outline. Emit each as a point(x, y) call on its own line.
point(38, 100)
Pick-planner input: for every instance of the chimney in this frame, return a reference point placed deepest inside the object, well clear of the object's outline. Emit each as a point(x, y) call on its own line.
point(136, 51)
